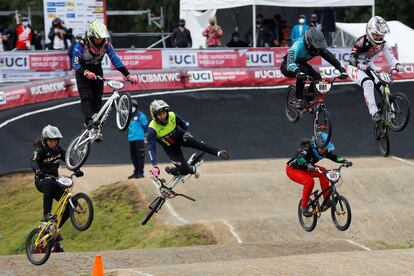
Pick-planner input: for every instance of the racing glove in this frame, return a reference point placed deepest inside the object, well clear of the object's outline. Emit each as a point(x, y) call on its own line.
point(398, 67)
point(133, 79)
point(40, 174)
point(155, 171)
point(312, 168)
point(89, 75)
point(347, 163)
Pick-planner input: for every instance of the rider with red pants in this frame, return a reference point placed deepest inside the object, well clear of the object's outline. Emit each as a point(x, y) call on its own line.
point(302, 169)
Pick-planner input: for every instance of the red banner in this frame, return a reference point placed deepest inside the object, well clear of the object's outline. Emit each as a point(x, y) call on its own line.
point(223, 59)
point(48, 62)
point(134, 60)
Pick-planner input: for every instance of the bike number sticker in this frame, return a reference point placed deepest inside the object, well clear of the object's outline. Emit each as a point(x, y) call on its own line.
point(323, 87)
point(385, 77)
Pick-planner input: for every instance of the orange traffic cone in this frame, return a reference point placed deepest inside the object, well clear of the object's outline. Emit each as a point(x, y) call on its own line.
point(98, 266)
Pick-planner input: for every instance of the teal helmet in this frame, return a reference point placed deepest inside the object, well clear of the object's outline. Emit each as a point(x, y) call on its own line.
point(321, 138)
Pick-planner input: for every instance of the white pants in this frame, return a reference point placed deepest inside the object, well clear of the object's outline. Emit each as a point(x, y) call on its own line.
point(360, 77)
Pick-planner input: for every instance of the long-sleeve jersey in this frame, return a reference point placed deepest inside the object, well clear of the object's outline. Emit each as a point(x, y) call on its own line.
point(364, 52)
point(47, 160)
point(298, 54)
point(309, 155)
point(167, 135)
point(83, 60)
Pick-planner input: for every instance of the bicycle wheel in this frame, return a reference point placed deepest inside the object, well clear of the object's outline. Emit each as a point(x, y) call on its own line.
point(308, 223)
point(399, 111)
point(153, 208)
point(381, 135)
point(40, 254)
point(292, 113)
point(123, 112)
point(322, 123)
point(82, 215)
point(77, 152)
point(341, 213)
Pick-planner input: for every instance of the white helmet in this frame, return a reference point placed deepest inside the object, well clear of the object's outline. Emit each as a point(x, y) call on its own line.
point(51, 132)
point(377, 25)
point(97, 30)
point(157, 106)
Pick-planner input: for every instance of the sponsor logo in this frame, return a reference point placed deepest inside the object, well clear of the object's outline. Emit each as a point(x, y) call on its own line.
point(14, 61)
point(159, 77)
point(268, 74)
point(182, 59)
point(51, 9)
point(48, 88)
point(70, 4)
point(51, 4)
point(260, 58)
point(3, 99)
point(60, 4)
point(70, 15)
point(328, 72)
point(200, 76)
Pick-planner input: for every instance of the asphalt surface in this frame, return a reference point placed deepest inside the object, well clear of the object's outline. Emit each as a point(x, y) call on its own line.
point(250, 124)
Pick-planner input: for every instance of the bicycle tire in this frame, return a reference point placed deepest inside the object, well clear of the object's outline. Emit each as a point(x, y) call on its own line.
point(394, 125)
point(123, 107)
point(153, 208)
point(383, 140)
point(291, 112)
point(322, 114)
point(334, 212)
point(30, 243)
point(302, 220)
point(69, 151)
point(81, 208)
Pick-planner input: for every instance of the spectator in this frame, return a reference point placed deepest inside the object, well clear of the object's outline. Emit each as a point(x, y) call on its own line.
point(59, 35)
point(277, 30)
point(313, 21)
point(136, 136)
point(264, 37)
point(328, 24)
point(181, 36)
point(299, 29)
point(213, 33)
point(285, 34)
point(236, 42)
point(24, 34)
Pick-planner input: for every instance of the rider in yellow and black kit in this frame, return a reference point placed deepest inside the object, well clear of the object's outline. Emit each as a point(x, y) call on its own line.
point(171, 132)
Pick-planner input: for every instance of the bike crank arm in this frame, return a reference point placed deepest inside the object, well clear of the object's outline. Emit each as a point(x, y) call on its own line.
point(185, 196)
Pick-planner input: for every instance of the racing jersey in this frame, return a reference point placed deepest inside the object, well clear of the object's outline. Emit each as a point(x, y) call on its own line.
point(46, 159)
point(298, 54)
point(167, 135)
point(82, 59)
point(364, 52)
point(308, 154)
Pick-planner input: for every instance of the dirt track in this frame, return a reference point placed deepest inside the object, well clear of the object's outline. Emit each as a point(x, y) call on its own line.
point(254, 203)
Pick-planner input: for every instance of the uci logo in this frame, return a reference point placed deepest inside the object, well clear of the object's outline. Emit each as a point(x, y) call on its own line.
point(183, 59)
point(200, 76)
point(260, 59)
point(20, 62)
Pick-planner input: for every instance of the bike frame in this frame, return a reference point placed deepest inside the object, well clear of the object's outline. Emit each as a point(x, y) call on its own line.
point(385, 97)
point(102, 116)
point(320, 100)
point(58, 210)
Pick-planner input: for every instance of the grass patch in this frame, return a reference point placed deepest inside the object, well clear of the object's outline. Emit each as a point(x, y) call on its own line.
point(387, 245)
point(119, 209)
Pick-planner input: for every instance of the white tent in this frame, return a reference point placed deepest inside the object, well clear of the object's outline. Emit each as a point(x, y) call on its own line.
point(401, 35)
point(195, 12)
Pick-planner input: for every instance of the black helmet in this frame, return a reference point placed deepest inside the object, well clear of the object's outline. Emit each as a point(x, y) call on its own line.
point(315, 40)
point(134, 103)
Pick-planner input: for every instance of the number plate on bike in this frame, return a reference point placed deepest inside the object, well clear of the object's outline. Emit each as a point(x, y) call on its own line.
point(116, 85)
point(323, 87)
point(65, 181)
point(385, 77)
point(333, 176)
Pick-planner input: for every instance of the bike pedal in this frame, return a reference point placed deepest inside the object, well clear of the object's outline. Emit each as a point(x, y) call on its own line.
point(197, 175)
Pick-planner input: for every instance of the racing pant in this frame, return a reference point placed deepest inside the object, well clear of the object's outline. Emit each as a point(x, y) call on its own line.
point(300, 84)
point(90, 92)
point(367, 81)
point(305, 178)
point(51, 190)
point(176, 155)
